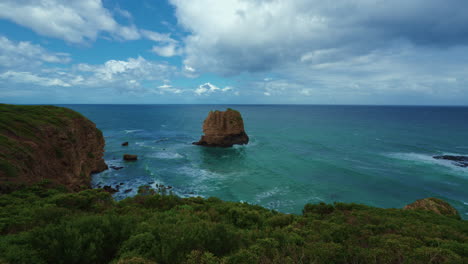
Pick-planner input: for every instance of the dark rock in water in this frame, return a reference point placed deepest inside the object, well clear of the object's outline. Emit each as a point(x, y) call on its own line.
point(169, 187)
point(151, 182)
point(116, 167)
point(128, 190)
point(129, 157)
point(125, 144)
point(461, 161)
point(121, 183)
point(223, 129)
point(109, 189)
point(435, 205)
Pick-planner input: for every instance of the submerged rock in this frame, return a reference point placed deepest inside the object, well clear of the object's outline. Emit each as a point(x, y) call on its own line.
point(223, 129)
point(109, 189)
point(461, 161)
point(130, 157)
point(435, 205)
point(116, 167)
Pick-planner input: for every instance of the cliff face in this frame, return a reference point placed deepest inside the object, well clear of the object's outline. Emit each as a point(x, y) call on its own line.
point(223, 129)
point(47, 142)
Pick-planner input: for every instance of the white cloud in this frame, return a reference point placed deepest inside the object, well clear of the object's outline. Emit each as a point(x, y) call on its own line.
point(157, 37)
point(116, 71)
point(73, 21)
point(168, 88)
point(208, 88)
point(168, 50)
point(24, 54)
point(30, 78)
point(134, 75)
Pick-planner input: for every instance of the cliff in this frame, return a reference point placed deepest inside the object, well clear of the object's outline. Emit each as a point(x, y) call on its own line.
point(48, 142)
point(223, 129)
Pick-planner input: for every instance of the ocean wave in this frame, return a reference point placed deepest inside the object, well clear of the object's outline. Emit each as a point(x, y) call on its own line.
point(428, 159)
point(166, 155)
point(132, 131)
point(270, 193)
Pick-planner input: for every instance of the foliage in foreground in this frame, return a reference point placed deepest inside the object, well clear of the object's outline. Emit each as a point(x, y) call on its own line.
point(49, 225)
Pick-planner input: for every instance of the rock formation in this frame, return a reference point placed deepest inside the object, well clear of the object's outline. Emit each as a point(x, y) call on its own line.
point(435, 205)
point(129, 157)
point(461, 161)
point(223, 129)
point(48, 142)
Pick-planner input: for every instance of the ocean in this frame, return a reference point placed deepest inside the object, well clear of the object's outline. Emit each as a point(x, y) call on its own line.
point(375, 155)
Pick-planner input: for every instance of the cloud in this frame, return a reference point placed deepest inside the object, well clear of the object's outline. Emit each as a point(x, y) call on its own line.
point(167, 47)
point(24, 54)
point(157, 37)
point(116, 72)
point(73, 21)
point(30, 78)
point(261, 35)
point(134, 75)
point(208, 88)
point(168, 50)
point(168, 88)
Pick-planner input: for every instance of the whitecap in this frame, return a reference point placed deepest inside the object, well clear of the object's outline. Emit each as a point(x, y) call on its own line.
point(132, 130)
point(166, 155)
point(267, 194)
point(429, 159)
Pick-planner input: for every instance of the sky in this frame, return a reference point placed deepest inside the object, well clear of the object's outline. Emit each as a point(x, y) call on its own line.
point(375, 52)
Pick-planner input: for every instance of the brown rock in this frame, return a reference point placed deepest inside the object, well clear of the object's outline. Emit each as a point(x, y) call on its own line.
point(109, 189)
point(52, 143)
point(130, 157)
point(435, 205)
point(125, 144)
point(223, 129)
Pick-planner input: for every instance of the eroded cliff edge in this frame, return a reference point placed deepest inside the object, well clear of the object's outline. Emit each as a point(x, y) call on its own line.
point(48, 142)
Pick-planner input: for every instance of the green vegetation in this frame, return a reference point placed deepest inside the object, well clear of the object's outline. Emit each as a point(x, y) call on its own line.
point(46, 224)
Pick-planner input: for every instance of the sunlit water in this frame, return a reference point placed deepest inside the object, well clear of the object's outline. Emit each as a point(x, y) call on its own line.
point(379, 156)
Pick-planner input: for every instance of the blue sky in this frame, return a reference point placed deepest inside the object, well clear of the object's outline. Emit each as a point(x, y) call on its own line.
point(234, 51)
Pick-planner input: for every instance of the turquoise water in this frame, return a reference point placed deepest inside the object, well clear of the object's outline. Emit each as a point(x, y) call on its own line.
point(379, 156)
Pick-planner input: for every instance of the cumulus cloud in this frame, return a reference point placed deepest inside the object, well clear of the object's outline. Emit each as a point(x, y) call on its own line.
point(116, 72)
point(24, 54)
point(131, 75)
point(208, 88)
point(73, 21)
point(260, 35)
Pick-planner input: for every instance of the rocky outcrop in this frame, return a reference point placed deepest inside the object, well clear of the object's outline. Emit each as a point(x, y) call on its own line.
point(48, 143)
point(130, 157)
point(461, 161)
point(223, 129)
point(435, 205)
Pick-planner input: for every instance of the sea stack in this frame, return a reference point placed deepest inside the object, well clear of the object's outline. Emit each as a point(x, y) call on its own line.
point(223, 129)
